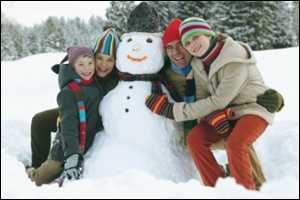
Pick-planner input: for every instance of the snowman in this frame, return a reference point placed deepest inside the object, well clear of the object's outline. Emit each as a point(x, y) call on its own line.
point(134, 137)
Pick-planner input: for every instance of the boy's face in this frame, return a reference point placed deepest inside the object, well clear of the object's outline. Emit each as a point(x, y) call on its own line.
point(104, 64)
point(197, 45)
point(85, 67)
point(177, 54)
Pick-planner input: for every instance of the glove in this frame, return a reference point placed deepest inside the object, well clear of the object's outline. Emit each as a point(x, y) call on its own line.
point(220, 120)
point(73, 167)
point(271, 100)
point(160, 105)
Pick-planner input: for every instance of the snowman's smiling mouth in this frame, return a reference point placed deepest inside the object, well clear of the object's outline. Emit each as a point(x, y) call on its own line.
point(141, 59)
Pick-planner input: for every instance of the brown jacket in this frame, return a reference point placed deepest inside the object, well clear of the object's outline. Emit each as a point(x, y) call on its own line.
point(233, 81)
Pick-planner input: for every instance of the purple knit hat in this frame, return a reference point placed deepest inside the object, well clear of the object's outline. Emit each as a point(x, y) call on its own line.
point(75, 52)
point(72, 54)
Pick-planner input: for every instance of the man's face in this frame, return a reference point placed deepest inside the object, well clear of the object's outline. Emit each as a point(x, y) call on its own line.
point(177, 54)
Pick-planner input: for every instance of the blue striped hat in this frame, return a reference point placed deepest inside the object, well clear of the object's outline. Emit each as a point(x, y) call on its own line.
point(107, 43)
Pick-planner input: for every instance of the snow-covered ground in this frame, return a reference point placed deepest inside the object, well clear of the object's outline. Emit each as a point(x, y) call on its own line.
point(28, 86)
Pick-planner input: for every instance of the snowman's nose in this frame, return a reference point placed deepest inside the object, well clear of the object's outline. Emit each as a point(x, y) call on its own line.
point(136, 48)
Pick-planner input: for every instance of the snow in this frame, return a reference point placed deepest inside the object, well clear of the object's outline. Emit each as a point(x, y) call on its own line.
point(28, 86)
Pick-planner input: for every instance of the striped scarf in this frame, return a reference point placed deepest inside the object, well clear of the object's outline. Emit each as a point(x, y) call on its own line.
point(157, 80)
point(81, 105)
point(212, 53)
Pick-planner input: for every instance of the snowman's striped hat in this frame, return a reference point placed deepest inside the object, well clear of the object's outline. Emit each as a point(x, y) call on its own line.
point(107, 43)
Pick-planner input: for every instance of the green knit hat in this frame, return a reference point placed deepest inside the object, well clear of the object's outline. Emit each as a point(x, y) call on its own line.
point(194, 26)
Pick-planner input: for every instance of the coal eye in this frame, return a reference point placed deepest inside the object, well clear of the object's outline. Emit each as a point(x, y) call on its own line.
point(129, 40)
point(149, 40)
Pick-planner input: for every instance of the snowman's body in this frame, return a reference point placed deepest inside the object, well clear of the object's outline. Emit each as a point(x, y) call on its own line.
point(136, 138)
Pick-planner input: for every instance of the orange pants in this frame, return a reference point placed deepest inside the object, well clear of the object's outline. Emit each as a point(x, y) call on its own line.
point(246, 130)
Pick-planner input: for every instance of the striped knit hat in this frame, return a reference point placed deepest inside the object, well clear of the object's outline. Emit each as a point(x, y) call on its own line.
point(107, 43)
point(194, 26)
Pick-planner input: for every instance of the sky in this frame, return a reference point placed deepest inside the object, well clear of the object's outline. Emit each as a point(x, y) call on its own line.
point(29, 13)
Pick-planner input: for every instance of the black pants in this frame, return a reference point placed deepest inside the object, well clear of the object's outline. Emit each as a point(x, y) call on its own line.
point(42, 125)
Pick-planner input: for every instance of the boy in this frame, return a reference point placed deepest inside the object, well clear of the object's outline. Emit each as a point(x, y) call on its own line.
point(79, 119)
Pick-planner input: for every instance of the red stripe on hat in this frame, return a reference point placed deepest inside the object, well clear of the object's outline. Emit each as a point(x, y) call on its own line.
point(194, 27)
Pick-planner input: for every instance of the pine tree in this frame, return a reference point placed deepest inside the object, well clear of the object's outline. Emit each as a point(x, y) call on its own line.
point(296, 20)
point(118, 13)
point(12, 40)
point(95, 28)
point(52, 36)
point(166, 11)
point(8, 51)
point(77, 32)
point(33, 41)
point(19, 38)
point(186, 9)
point(283, 31)
point(261, 24)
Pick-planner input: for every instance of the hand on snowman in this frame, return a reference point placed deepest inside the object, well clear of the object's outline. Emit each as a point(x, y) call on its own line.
point(159, 104)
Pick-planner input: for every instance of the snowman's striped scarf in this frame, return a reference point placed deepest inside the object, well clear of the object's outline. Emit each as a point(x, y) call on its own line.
point(156, 79)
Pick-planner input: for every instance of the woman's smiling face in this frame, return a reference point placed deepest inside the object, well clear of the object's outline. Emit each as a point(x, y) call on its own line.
point(104, 64)
point(197, 45)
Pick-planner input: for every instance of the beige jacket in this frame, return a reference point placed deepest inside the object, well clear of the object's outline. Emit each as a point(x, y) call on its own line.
point(233, 81)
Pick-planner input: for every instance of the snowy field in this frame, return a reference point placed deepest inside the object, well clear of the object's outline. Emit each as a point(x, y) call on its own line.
point(28, 86)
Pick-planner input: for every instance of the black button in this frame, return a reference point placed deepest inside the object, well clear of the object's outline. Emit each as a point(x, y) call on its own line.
point(126, 110)
point(130, 87)
point(128, 97)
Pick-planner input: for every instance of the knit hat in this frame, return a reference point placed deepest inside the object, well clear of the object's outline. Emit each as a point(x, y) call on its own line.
point(172, 32)
point(107, 43)
point(194, 26)
point(143, 18)
point(75, 52)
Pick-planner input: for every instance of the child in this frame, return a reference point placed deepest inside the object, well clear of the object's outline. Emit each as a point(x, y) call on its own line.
point(78, 101)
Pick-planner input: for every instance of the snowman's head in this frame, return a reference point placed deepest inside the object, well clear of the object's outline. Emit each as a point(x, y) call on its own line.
point(140, 53)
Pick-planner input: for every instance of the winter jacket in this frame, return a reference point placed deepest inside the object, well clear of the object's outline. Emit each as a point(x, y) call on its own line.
point(233, 81)
point(109, 82)
point(67, 138)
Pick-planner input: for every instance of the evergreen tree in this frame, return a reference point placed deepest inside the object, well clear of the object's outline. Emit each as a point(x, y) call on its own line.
point(296, 20)
point(166, 11)
point(95, 28)
point(19, 38)
point(8, 51)
point(76, 32)
point(261, 24)
point(118, 13)
point(12, 40)
point(52, 36)
point(186, 9)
